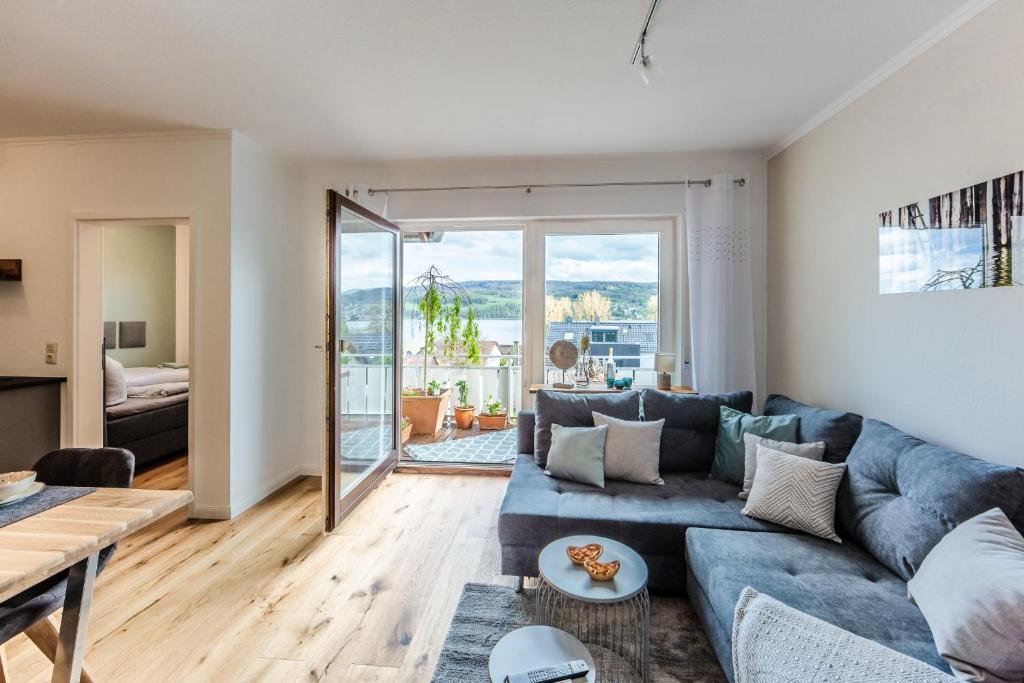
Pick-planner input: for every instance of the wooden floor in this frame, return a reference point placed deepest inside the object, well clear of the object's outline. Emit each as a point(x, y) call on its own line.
point(266, 597)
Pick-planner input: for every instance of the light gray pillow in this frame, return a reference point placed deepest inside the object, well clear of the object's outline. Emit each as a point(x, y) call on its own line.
point(116, 390)
point(970, 588)
point(812, 451)
point(577, 454)
point(795, 492)
point(632, 449)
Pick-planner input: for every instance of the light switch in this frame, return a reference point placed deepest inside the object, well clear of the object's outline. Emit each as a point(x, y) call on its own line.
point(51, 353)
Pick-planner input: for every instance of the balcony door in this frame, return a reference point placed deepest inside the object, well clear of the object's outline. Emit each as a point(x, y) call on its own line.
point(363, 324)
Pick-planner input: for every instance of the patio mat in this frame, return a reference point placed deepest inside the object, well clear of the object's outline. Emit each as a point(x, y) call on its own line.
point(495, 448)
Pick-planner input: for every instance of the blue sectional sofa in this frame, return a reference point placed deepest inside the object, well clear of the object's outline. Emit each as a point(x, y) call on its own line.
point(900, 495)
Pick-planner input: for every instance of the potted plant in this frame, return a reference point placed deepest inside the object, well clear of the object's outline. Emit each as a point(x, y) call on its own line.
point(441, 303)
point(406, 430)
point(493, 415)
point(463, 411)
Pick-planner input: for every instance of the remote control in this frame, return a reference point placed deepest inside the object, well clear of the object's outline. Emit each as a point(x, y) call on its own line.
point(549, 674)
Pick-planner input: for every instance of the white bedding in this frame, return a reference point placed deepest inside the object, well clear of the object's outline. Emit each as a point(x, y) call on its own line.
point(143, 376)
point(163, 389)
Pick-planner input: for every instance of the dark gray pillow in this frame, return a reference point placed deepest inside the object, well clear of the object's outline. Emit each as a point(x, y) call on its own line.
point(691, 425)
point(838, 430)
point(575, 410)
point(901, 495)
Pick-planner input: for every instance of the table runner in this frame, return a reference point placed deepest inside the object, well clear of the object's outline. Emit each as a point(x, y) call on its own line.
point(49, 497)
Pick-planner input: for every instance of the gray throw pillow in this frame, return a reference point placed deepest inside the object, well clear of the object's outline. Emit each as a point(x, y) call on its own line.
point(577, 454)
point(574, 410)
point(811, 451)
point(970, 588)
point(732, 425)
point(795, 492)
point(632, 449)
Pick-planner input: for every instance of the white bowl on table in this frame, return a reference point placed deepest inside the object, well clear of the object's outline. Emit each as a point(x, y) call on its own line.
point(13, 484)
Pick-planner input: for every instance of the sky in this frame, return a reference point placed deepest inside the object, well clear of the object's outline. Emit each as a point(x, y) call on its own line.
point(498, 255)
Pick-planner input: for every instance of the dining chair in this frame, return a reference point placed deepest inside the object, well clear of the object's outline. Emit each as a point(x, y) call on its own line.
point(31, 611)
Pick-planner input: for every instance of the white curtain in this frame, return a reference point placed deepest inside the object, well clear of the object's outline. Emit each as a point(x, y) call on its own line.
point(720, 288)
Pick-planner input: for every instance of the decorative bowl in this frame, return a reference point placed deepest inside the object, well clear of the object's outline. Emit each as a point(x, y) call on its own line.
point(13, 483)
point(582, 554)
point(601, 571)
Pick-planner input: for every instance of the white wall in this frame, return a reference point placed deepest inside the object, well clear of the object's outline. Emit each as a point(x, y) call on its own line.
point(944, 366)
point(45, 185)
point(267, 276)
point(139, 285)
point(511, 204)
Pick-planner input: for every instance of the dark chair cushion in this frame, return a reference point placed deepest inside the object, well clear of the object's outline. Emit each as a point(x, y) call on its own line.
point(108, 467)
point(841, 584)
point(838, 430)
point(574, 410)
point(691, 425)
point(901, 495)
point(39, 601)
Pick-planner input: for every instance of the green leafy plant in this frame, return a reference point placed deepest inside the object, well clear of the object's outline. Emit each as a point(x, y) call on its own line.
point(406, 423)
point(433, 388)
point(493, 406)
point(411, 392)
point(463, 387)
point(441, 307)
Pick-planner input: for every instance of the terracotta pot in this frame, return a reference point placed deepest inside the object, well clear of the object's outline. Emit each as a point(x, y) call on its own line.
point(426, 413)
point(464, 417)
point(406, 433)
point(488, 421)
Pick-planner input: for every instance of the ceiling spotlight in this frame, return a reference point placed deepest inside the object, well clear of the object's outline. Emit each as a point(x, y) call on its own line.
point(640, 55)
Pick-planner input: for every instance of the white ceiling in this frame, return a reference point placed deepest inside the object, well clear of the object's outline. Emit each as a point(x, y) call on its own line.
point(403, 79)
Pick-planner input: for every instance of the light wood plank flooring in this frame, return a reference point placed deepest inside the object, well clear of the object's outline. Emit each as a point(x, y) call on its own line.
point(267, 598)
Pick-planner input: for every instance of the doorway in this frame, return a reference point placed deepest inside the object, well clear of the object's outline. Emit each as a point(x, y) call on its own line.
point(363, 325)
point(131, 377)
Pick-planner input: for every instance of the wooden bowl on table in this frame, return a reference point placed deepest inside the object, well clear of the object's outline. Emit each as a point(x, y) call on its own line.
point(581, 554)
point(602, 571)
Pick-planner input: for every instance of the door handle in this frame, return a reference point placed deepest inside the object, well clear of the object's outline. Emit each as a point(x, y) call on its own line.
point(318, 346)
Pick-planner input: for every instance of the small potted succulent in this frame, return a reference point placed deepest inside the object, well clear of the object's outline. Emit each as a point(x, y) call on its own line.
point(406, 430)
point(494, 415)
point(464, 413)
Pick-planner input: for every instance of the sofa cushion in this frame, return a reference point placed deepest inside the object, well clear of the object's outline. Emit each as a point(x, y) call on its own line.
point(575, 410)
point(841, 584)
point(730, 449)
point(838, 430)
point(901, 495)
point(691, 425)
point(650, 519)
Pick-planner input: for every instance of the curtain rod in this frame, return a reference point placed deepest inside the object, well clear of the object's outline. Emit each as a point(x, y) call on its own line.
point(529, 188)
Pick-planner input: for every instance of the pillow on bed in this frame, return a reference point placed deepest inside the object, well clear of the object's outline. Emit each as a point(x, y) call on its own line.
point(153, 390)
point(144, 376)
point(115, 390)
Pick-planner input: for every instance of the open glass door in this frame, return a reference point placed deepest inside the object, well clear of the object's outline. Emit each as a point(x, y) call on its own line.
point(363, 323)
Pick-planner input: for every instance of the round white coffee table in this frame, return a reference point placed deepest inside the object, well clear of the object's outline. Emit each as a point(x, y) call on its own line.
point(533, 647)
point(613, 615)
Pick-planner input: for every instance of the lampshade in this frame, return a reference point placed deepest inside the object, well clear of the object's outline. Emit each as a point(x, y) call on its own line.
point(665, 362)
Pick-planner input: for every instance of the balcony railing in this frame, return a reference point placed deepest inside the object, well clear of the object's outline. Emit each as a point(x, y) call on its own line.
point(366, 384)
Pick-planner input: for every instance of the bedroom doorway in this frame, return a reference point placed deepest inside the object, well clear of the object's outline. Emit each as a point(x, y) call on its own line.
point(131, 374)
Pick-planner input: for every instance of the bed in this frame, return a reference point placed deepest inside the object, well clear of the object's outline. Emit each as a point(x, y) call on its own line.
point(146, 410)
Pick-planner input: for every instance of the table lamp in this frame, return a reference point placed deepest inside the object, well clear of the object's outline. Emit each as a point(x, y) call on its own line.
point(665, 365)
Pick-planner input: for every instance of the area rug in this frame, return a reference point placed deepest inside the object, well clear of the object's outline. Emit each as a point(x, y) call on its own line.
point(679, 649)
point(491, 449)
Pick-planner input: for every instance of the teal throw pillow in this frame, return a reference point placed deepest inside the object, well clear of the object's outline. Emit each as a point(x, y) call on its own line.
point(729, 462)
point(577, 454)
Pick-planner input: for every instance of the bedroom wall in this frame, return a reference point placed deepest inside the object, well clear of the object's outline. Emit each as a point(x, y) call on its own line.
point(139, 265)
point(46, 184)
point(942, 365)
point(502, 203)
point(267, 274)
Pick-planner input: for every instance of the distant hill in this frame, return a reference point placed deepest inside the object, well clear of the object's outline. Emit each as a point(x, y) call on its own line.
point(503, 298)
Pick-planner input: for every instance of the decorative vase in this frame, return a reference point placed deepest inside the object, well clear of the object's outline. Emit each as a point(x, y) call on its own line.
point(464, 416)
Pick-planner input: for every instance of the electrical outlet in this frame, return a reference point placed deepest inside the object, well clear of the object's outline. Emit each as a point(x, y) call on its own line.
point(51, 353)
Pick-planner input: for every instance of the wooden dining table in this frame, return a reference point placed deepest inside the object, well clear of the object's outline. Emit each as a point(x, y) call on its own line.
point(70, 536)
